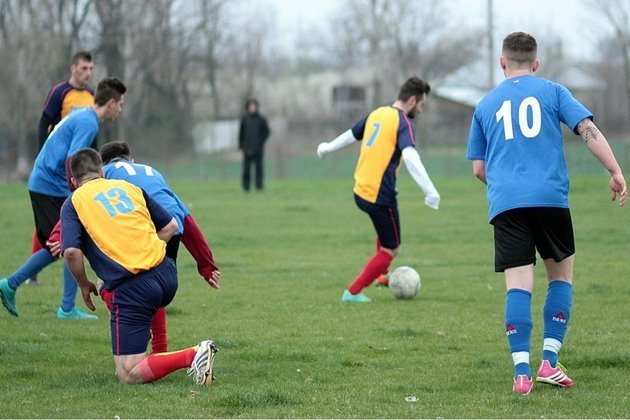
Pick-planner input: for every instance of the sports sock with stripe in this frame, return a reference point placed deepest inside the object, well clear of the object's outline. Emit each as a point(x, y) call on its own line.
point(556, 314)
point(518, 328)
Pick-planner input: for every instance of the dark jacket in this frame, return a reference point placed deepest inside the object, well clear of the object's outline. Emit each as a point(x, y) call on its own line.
point(253, 134)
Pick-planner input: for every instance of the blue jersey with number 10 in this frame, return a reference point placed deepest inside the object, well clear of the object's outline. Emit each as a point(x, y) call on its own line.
point(516, 130)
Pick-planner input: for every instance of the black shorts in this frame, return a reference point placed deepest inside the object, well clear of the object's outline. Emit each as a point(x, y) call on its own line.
point(46, 212)
point(172, 247)
point(519, 233)
point(385, 220)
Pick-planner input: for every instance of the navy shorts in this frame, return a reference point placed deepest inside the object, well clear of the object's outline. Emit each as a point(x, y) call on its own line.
point(135, 301)
point(519, 233)
point(46, 212)
point(385, 220)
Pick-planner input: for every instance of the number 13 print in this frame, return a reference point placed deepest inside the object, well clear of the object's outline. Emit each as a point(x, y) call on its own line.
point(121, 202)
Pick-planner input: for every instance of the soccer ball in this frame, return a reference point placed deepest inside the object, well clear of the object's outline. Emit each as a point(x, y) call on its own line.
point(404, 283)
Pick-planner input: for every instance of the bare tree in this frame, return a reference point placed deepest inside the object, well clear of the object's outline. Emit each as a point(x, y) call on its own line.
point(404, 37)
point(372, 18)
point(614, 66)
point(617, 13)
point(210, 33)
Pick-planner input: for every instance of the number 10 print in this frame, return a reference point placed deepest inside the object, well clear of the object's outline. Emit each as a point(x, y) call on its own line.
point(505, 114)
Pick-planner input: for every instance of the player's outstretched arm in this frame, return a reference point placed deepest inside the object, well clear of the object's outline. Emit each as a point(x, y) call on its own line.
point(599, 147)
point(419, 174)
point(345, 139)
point(195, 242)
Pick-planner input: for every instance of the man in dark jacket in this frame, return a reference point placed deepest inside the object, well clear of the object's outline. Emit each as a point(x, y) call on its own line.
point(253, 133)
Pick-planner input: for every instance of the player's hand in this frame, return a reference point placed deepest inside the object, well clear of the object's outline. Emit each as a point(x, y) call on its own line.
point(54, 247)
point(87, 289)
point(432, 200)
point(618, 188)
point(106, 295)
point(213, 280)
point(322, 149)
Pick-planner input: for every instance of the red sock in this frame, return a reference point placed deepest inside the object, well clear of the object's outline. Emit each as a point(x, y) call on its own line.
point(35, 245)
point(378, 264)
point(156, 366)
point(158, 332)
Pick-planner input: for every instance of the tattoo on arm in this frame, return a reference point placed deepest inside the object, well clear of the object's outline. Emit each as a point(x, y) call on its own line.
point(588, 130)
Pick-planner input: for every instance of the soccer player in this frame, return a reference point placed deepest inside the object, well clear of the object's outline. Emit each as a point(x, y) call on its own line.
point(119, 165)
point(61, 100)
point(49, 185)
point(123, 232)
point(387, 135)
point(515, 144)
point(68, 95)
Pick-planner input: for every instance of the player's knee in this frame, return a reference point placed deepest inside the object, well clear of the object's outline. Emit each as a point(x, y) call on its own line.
point(392, 252)
point(127, 377)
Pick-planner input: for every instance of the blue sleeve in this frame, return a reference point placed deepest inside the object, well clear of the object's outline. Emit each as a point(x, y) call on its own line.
point(477, 144)
point(572, 112)
point(71, 227)
point(179, 202)
point(359, 128)
point(83, 136)
point(160, 216)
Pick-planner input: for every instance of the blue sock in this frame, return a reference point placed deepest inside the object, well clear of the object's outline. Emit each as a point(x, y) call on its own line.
point(33, 265)
point(70, 288)
point(522, 369)
point(518, 326)
point(556, 314)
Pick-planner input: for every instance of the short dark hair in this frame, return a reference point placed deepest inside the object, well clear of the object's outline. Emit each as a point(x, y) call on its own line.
point(109, 88)
point(81, 55)
point(83, 162)
point(520, 47)
point(113, 150)
point(414, 86)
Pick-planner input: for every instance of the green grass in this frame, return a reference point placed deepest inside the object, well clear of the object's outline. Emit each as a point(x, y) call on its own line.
point(290, 349)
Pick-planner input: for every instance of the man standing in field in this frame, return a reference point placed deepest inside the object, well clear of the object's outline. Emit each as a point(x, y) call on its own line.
point(515, 143)
point(49, 185)
point(123, 232)
point(387, 136)
point(62, 99)
point(253, 133)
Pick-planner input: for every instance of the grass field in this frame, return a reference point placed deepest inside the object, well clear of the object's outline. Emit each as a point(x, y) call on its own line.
point(290, 349)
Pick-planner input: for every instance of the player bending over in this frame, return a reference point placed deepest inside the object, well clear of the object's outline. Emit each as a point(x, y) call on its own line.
point(123, 232)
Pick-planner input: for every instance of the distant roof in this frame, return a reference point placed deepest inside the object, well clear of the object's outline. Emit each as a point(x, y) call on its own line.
point(465, 95)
